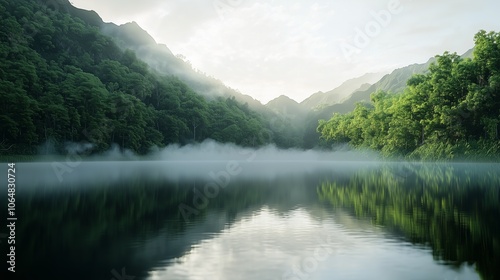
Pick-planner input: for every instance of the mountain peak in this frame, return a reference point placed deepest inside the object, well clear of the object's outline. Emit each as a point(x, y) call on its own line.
point(135, 34)
point(286, 107)
point(282, 98)
point(132, 26)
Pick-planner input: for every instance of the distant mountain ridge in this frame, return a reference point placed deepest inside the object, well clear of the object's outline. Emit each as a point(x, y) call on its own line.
point(320, 105)
point(394, 82)
point(160, 58)
point(287, 107)
point(339, 94)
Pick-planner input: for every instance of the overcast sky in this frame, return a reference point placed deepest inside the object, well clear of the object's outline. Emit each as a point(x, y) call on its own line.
point(266, 48)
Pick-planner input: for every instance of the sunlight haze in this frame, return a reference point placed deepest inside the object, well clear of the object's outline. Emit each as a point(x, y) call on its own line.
point(268, 48)
point(154, 140)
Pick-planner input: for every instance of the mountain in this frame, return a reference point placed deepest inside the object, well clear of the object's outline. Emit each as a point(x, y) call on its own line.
point(394, 82)
point(343, 99)
point(76, 78)
point(337, 95)
point(62, 79)
point(469, 54)
point(449, 112)
point(160, 58)
point(286, 107)
point(130, 34)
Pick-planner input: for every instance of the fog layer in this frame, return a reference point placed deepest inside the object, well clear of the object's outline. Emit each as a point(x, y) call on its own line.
point(209, 160)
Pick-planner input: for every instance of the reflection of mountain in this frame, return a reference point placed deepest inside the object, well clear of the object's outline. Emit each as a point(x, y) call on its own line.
point(454, 209)
point(137, 223)
point(64, 230)
point(77, 228)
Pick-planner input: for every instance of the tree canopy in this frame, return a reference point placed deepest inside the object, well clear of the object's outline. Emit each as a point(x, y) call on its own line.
point(62, 80)
point(452, 111)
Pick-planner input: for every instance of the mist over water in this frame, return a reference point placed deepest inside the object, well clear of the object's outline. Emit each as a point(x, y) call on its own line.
point(203, 161)
point(213, 211)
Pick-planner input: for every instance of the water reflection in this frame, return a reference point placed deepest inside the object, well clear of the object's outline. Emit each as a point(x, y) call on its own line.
point(298, 245)
point(454, 209)
point(383, 221)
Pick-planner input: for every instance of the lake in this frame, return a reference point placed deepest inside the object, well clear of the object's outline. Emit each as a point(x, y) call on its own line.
point(251, 219)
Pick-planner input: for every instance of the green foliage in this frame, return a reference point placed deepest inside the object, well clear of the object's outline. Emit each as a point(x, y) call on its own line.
point(451, 112)
point(452, 208)
point(62, 80)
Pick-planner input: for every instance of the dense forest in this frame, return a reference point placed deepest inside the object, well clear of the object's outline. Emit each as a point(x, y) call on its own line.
point(62, 80)
point(451, 112)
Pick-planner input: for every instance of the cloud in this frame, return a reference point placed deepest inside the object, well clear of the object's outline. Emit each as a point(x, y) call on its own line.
point(266, 48)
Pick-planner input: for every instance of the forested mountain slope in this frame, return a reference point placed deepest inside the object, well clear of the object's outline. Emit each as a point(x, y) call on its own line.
point(62, 80)
point(394, 82)
point(453, 110)
point(159, 57)
point(340, 93)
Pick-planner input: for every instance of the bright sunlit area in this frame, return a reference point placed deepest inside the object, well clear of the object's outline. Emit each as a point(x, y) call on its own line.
point(250, 139)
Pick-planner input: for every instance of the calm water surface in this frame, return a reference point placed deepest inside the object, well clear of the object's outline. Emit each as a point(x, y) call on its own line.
point(257, 220)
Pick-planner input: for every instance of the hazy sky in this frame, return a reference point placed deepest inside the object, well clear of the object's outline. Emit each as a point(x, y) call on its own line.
point(266, 48)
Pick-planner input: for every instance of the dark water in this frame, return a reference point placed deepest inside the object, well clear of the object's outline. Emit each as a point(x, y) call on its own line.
point(258, 220)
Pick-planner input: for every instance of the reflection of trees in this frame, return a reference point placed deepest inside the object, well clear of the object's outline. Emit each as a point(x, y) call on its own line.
point(93, 227)
point(454, 209)
point(82, 227)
